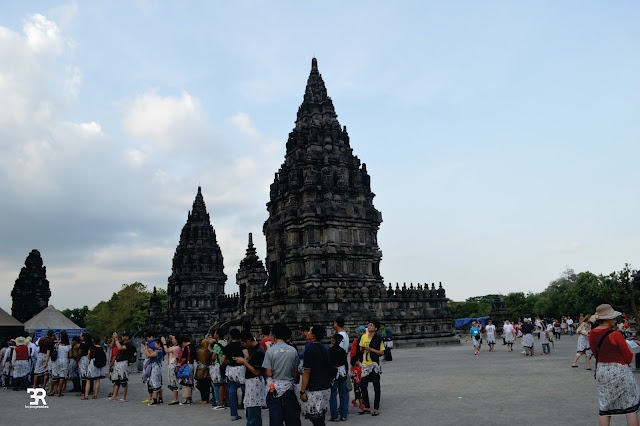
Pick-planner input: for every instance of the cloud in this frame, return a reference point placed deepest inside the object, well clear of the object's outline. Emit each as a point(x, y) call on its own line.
point(166, 123)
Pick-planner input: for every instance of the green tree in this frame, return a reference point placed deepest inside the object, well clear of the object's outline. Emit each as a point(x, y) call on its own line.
point(77, 315)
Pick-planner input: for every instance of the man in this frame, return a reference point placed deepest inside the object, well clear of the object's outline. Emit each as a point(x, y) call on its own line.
point(188, 358)
point(235, 371)
point(373, 348)
point(266, 341)
point(303, 329)
point(490, 329)
point(570, 326)
point(338, 326)
point(281, 367)
point(44, 344)
point(508, 334)
point(315, 389)
point(120, 369)
point(387, 338)
point(255, 385)
point(338, 358)
point(527, 337)
point(219, 378)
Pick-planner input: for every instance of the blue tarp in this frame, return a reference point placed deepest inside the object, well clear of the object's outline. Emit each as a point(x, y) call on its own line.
point(461, 322)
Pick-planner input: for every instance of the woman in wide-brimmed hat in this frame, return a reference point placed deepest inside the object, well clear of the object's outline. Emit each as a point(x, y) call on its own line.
point(618, 391)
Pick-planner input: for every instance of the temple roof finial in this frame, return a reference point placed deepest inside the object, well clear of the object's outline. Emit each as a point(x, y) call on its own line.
point(314, 64)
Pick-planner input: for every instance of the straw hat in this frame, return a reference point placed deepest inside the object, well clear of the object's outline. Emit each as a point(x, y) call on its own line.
point(604, 312)
point(21, 341)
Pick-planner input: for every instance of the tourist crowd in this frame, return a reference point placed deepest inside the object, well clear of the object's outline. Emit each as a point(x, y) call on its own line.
point(230, 369)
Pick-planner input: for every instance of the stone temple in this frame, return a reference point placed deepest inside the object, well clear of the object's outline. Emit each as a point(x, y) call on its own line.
point(323, 258)
point(31, 291)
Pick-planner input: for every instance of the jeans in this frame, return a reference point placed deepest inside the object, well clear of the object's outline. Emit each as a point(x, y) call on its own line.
point(374, 378)
point(545, 348)
point(339, 388)
point(254, 416)
point(284, 410)
point(216, 395)
point(233, 398)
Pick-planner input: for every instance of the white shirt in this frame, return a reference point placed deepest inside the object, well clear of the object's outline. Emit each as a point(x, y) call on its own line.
point(345, 341)
point(491, 330)
point(508, 328)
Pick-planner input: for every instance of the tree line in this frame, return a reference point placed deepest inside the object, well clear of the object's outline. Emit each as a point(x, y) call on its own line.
point(571, 294)
point(128, 309)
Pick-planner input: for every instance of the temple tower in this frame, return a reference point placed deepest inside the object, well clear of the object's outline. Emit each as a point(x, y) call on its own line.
point(322, 227)
point(251, 276)
point(197, 278)
point(31, 291)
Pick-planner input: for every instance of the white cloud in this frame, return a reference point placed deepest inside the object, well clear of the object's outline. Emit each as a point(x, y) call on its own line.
point(166, 123)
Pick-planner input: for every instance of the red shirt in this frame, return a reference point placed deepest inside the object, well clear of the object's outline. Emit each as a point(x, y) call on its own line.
point(613, 349)
point(266, 343)
point(22, 353)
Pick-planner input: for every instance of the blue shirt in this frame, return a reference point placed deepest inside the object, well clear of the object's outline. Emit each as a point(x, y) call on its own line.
point(475, 331)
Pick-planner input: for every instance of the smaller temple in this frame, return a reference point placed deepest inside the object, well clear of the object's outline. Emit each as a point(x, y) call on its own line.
point(31, 291)
point(498, 313)
point(251, 276)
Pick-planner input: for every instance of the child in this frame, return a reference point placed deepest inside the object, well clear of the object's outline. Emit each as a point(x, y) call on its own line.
point(544, 339)
point(356, 375)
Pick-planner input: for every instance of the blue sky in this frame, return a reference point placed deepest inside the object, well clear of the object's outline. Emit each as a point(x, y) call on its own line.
point(502, 138)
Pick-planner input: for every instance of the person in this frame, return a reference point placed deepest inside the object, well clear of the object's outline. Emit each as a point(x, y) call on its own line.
point(509, 334)
point(60, 367)
point(266, 340)
point(583, 343)
point(86, 342)
point(120, 374)
point(202, 376)
point(146, 366)
point(338, 326)
point(21, 365)
point(490, 330)
point(570, 325)
point(281, 368)
point(40, 370)
point(338, 358)
point(356, 376)
point(94, 372)
point(74, 356)
point(174, 352)
point(618, 391)
point(154, 354)
point(235, 371)
point(355, 346)
point(315, 387)
point(527, 337)
point(545, 340)
point(255, 396)
point(556, 329)
point(188, 358)
point(218, 370)
point(373, 348)
point(388, 343)
point(476, 338)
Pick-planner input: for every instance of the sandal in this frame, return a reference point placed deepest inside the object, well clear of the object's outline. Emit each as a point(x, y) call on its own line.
point(375, 413)
point(84, 397)
point(364, 412)
point(94, 397)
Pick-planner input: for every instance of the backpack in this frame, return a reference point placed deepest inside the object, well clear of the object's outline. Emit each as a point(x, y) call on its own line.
point(100, 359)
point(133, 357)
point(53, 356)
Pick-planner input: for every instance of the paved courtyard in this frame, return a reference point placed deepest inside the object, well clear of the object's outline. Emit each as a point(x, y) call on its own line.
point(422, 386)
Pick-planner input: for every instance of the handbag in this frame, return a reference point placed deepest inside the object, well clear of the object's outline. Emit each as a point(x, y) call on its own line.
point(202, 373)
point(183, 372)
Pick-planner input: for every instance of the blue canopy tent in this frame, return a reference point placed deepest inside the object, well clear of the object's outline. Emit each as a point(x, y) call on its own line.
point(461, 322)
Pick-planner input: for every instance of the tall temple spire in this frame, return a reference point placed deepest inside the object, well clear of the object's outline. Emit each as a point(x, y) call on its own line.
point(31, 291)
point(317, 107)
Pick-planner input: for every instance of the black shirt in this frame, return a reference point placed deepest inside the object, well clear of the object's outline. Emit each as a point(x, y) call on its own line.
point(231, 350)
point(123, 355)
point(527, 328)
point(189, 353)
point(256, 357)
point(337, 356)
point(84, 347)
point(316, 358)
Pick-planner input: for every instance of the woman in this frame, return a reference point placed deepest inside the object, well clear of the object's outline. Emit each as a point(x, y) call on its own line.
point(60, 367)
point(202, 377)
point(474, 333)
point(174, 356)
point(21, 364)
point(83, 362)
point(527, 337)
point(583, 343)
point(74, 356)
point(618, 391)
point(217, 370)
point(93, 372)
point(7, 374)
point(154, 381)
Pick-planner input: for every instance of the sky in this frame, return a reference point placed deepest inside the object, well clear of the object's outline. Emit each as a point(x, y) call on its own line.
point(502, 138)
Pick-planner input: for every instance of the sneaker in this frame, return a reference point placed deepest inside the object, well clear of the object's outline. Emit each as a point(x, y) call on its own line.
point(174, 403)
point(203, 402)
point(219, 407)
point(153, 404)
point(187, 402)
point(146, 401)
point(160, 401)
point(233, 419)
